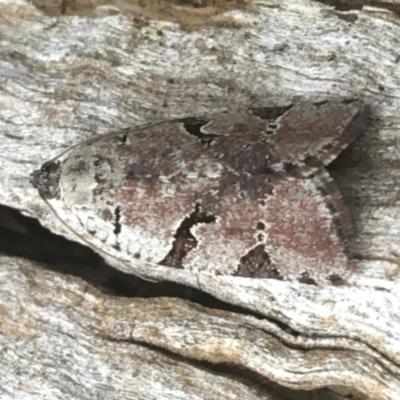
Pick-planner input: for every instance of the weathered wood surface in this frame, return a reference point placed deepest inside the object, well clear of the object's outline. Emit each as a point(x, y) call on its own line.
point(65, 78)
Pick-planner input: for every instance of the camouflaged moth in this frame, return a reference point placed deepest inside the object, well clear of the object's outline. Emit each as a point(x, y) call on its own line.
point(243, 193)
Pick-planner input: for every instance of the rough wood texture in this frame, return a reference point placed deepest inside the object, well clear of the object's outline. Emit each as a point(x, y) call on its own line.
point(63, 79)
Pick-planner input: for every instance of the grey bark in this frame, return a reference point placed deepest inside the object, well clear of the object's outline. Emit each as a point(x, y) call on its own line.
point(66, 78)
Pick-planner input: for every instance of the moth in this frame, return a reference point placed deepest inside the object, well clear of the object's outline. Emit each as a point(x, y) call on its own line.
point(243, 193)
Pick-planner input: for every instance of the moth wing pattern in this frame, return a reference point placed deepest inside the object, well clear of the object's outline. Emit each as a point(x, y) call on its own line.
point(232, 193)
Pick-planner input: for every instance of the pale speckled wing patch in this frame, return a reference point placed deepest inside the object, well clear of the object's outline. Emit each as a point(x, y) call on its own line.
point(234, 193)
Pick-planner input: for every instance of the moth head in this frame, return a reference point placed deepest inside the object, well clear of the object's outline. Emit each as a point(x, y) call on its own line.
point(46, 179)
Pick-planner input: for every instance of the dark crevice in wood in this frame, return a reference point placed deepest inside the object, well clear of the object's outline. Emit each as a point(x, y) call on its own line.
point(246, 376)
point(349, 5)
point(22, 236)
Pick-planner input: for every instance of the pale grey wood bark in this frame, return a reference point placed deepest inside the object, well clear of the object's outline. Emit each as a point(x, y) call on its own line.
point(63, 79)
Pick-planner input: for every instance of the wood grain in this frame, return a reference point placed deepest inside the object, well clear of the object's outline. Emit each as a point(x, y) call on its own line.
point(63, 79)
